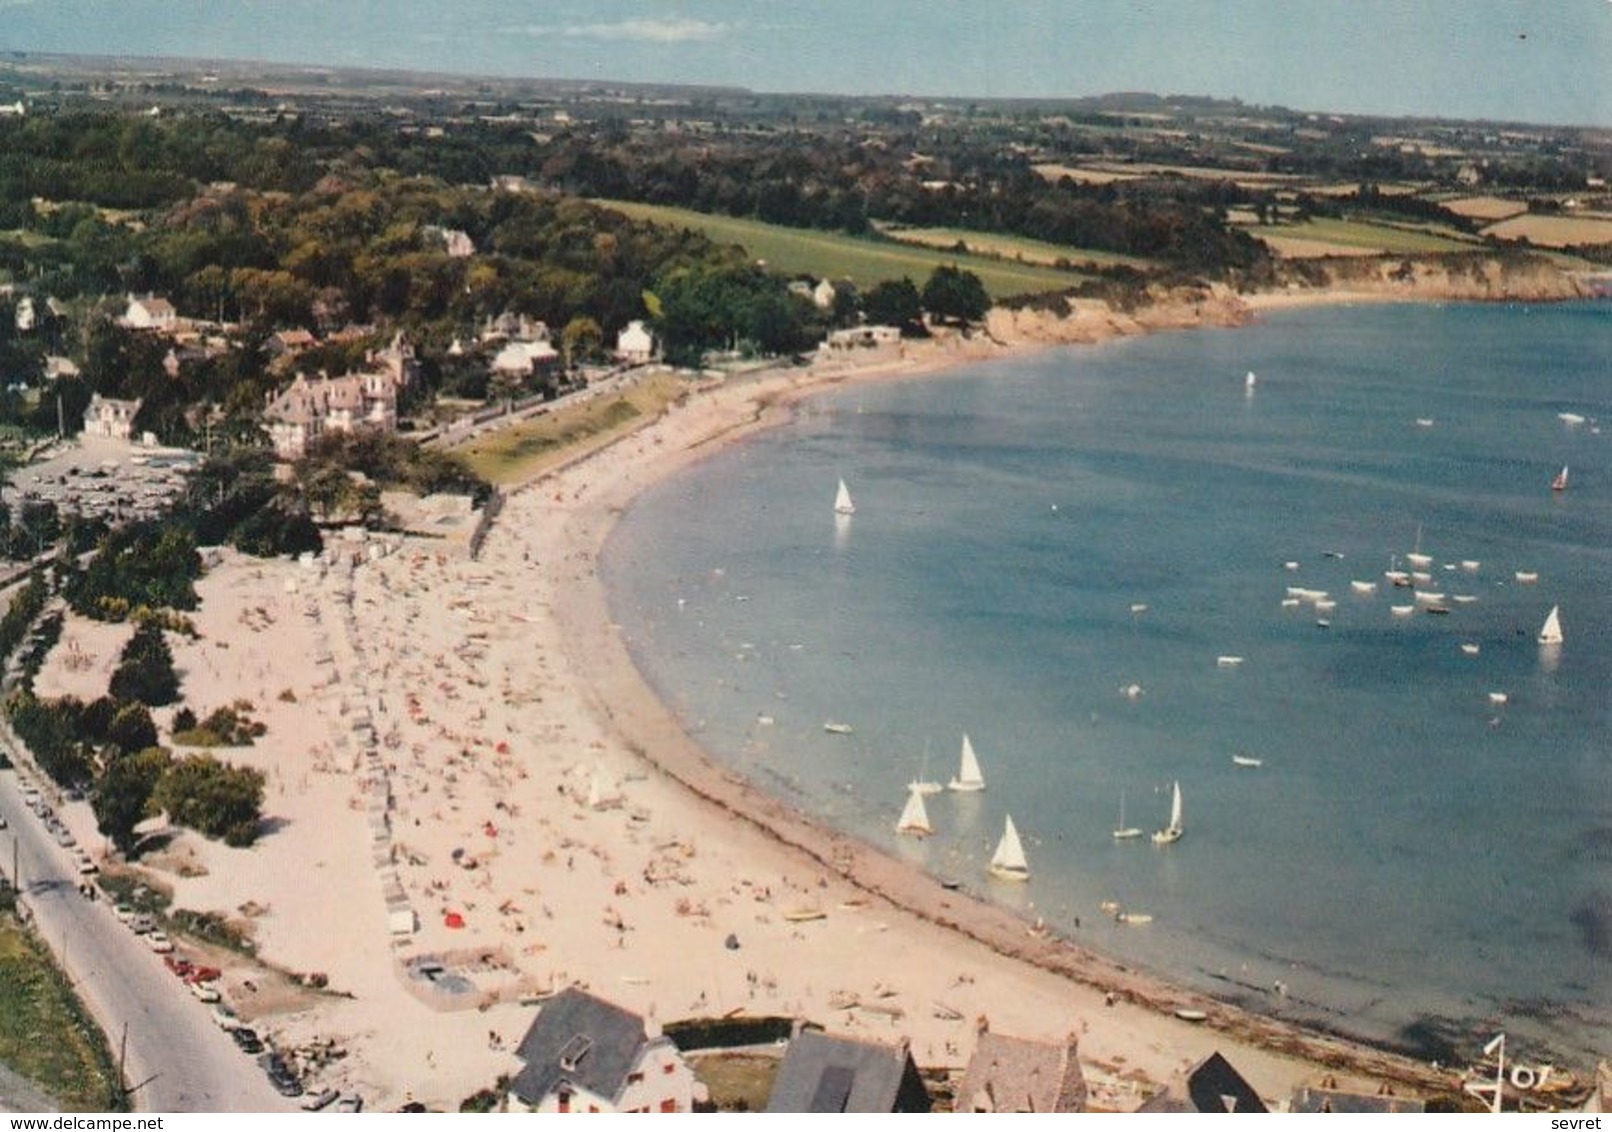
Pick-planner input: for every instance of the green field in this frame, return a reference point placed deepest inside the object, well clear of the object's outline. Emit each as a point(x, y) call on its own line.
point(865, 262)
point(523, 451)
point(998, 246)
point(44, 1034)
point(1363, 234)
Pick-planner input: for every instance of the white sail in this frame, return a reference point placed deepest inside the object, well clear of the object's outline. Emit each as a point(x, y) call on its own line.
point(914, 817)
point(1008, 861)
point(968, 771)
point(842, 501)
point(1175, 829)
point(1551, 633)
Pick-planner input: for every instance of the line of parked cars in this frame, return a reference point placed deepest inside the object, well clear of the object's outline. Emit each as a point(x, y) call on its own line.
point(200, 980)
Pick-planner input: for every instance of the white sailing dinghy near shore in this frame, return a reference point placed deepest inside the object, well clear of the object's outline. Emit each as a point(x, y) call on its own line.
point(1551, 632)
point(1008, 862)
point(1172, 832)
point(968, 778)
point(842, 501)
point(914, 816)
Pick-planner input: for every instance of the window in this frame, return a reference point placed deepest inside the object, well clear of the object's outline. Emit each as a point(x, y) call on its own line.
point(668, 1069)
point(668, 1105)
point(634, 1078)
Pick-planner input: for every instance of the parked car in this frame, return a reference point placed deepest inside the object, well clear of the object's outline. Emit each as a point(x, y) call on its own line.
point(224, 1018)
point(123, 912)
point(159, 942)
point(205, 992)
point(143, 923)
point(349, 1102)
point(247, 1039)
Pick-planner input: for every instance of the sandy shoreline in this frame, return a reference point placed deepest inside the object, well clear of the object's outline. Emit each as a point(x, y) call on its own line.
point(471, 742)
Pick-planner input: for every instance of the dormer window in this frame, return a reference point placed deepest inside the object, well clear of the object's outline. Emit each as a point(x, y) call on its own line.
point(574, 1051)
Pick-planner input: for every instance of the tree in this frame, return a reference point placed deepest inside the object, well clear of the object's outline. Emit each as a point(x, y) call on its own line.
point(580, 340)
point(894, 302)
point(122, 797)
point(145, 670)
point(955, 295)
point(213, 798)
point(132, 728)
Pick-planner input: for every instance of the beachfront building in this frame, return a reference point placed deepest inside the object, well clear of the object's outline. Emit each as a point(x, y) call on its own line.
point(110, 418)
point(823, 1073)
point(635, 345)
point(1327, 1097)
point(521, 361)
point(583, 1054)
point(1212, 1085)
point(879, 341)
point(150, 313)
point(310, 408)
point(1008, 1074)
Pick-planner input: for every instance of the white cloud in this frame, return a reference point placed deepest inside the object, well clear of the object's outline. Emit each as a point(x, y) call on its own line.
point(650, 31)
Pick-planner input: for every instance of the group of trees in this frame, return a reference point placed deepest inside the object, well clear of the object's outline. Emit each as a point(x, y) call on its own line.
point(111, 743)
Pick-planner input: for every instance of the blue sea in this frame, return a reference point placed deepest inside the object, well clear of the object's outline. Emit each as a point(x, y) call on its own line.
point(1414, 862)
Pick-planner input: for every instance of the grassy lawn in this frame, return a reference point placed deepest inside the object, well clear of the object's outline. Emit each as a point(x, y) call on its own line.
point(865, 262)
point(739, 1082)
point(998, 246)
point(1363, 236)
point(520, 452)
point(44, 1033)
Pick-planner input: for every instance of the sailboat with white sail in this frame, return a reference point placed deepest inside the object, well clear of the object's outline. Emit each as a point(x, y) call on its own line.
point(1172, 832)
point(968, 778)
point(1416, 557)
point(1551, 632)
point(923, 784)
point(842, 501)
point(1008, 862)
point(914, 818)
point(1123, 832)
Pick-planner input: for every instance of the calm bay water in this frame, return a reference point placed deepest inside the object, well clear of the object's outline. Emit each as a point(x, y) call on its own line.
point(1410, 853)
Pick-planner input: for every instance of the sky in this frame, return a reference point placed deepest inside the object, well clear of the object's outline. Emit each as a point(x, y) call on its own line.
point(1545, 61)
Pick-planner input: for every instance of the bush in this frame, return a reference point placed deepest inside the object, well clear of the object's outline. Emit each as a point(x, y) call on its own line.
point(213, 798)
point(145, 670)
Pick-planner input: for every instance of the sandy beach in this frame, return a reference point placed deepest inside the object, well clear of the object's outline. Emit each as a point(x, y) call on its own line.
point(464, 747)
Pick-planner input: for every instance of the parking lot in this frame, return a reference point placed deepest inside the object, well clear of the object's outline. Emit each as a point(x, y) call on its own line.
point(104, 479)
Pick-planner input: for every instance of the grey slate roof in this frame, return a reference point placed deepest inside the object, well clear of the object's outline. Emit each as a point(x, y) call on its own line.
point(1309, 1099)
point(821, 1073)
point(580, 1039)
point(1211, 1086)
point(1008, 1074)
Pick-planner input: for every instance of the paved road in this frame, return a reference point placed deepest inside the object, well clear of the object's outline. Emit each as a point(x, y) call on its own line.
point(179, 1059)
